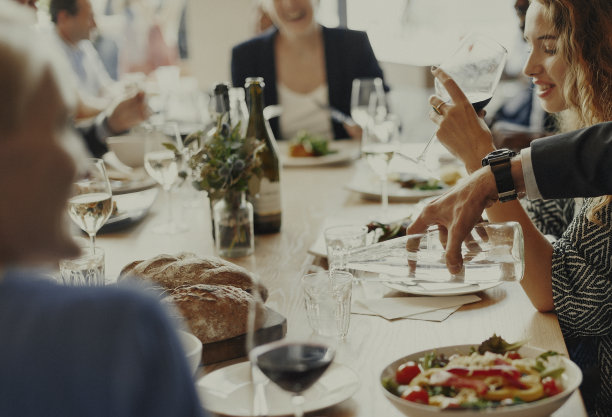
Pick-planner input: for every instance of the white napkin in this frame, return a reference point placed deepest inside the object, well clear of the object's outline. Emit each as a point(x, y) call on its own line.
point(413, 307)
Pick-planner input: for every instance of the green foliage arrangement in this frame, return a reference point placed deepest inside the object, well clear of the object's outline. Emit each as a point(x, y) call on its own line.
point(225, 162)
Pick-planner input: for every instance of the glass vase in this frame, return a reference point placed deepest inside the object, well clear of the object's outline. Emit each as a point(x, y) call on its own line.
point(233, 225)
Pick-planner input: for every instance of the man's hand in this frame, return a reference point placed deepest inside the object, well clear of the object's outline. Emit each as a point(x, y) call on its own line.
point(457, 211)
point(128, 113)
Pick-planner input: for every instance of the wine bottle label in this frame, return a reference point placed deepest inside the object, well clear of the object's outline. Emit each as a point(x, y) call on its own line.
point(268, 200)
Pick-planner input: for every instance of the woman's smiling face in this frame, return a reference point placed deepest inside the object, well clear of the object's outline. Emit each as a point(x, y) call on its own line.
point(545, 65)
point(292, 17)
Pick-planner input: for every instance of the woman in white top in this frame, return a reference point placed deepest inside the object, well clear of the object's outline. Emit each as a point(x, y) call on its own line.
point(308, 69)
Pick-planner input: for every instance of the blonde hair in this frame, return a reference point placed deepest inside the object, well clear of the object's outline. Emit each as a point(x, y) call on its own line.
point(585, 44)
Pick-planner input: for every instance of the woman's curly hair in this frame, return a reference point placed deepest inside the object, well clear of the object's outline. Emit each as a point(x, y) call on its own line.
point(584, 30)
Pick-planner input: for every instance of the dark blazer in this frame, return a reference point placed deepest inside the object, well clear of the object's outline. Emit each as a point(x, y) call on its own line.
point(574, 164)
point(348, 55)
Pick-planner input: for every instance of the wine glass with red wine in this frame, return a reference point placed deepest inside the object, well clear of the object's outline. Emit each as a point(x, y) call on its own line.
point(476, 66)
point(293, 365)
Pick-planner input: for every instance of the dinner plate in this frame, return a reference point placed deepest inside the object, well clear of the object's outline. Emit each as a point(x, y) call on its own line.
point(572, 377)
point(441, 289)
point(369, 188)
point(139, 180)
point(131, 208)
point(348, 151)
point(228, 391)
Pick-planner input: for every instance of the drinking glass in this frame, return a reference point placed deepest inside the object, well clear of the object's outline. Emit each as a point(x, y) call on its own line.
point(362, 91)
point(339, 240)
point(476, 66)
point(91, 202)
point(293, 363)
point(379, 145)
point(163, 160)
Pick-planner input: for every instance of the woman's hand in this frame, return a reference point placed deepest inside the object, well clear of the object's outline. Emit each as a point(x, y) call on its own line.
point(461, 130)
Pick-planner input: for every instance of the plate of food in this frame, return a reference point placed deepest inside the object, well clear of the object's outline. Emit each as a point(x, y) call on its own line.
point(493, 378)
point(402, 187)
point(310, 150)
point(233, 382)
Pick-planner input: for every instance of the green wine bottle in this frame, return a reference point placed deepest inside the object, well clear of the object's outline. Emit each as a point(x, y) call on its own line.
point(267, 201)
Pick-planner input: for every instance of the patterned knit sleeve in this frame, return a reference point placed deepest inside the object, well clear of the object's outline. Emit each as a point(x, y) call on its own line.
point(551, 217)
point(582, 275)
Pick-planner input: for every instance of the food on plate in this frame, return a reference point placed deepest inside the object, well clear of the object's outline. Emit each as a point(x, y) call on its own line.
point(386, 231)
point(415, 182)
point(306, 144)
point(213, 312)
point(493, 375)
point(171, 271)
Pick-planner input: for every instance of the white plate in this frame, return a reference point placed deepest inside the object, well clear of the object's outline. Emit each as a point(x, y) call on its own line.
point(228, 391)
point(369, 188)
point(572, 377)
point(348, 151)
point(441, 289)
point(131, 208)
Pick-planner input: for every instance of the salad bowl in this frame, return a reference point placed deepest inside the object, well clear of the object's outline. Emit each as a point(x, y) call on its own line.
point(570, 380)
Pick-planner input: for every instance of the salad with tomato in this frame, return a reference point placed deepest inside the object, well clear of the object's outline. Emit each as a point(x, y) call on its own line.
point(492, 375)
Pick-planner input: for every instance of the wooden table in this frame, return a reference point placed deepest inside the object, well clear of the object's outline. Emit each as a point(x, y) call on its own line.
point(310, 195)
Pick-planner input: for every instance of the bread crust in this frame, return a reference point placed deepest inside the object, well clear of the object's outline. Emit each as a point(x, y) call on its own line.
point(214, 312)
point(172, 271)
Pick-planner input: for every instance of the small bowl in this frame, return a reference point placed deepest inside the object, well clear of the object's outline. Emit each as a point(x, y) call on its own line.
point(193, 349)
point(128, 149)
point(572, 377)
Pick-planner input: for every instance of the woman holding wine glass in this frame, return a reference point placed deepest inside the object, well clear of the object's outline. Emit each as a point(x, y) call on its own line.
point(572, 75)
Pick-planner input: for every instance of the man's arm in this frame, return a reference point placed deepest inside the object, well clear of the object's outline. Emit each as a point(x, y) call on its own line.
point(574, 164)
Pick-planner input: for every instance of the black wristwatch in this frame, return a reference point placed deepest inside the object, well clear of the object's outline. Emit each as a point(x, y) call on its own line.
point(499, 161)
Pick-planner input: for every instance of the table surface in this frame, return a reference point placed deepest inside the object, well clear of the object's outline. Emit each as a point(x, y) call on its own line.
point(309, 197)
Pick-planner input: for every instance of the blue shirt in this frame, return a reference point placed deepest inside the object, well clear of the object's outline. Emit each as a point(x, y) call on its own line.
point(84, 351)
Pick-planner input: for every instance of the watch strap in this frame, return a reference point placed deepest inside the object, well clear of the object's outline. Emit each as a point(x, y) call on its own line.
point(500, 166)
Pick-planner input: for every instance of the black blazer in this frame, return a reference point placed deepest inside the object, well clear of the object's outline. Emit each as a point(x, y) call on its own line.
point(574, 164)
point(348, 55)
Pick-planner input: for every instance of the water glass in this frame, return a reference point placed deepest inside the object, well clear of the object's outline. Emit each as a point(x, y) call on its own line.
point(86, 270)
point(339, 240)
point(327, 298)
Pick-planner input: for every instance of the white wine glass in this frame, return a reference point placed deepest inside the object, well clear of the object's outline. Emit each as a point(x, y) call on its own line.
point(163, 160)
point(293, 363)
point(91, 202)
point(362, 91)
point(380, 144)
point(476, 66)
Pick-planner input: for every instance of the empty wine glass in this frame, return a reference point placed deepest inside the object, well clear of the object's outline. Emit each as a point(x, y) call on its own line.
point(476, 66)
point(380, 144)
point(163, 160)
point(91, 203)
point(362, 91)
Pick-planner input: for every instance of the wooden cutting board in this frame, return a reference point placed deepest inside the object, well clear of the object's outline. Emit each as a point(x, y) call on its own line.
point(274, 328)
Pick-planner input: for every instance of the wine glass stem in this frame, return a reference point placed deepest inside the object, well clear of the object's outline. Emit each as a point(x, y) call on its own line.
point(169, 208)
point(384, 193)
point(92, 241)
point(298, 402)
point(421, 157)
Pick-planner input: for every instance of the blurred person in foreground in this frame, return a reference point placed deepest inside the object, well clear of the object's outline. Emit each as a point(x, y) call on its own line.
point(573, 276)
point(65, 351)
point(307, 68)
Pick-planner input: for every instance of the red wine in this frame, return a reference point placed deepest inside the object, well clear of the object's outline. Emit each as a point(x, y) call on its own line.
point(479, 100)
point(294, 367)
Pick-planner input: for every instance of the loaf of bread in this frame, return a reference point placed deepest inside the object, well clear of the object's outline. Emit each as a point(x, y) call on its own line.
point(214, 312)
point(171, 271)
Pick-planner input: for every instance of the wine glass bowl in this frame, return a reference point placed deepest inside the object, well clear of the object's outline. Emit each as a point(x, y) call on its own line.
point(363, 89)
point(163, 160)
point(293, 366)
point(91, 203)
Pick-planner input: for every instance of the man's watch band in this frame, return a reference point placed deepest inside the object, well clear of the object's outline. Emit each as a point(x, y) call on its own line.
point(499, 161)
